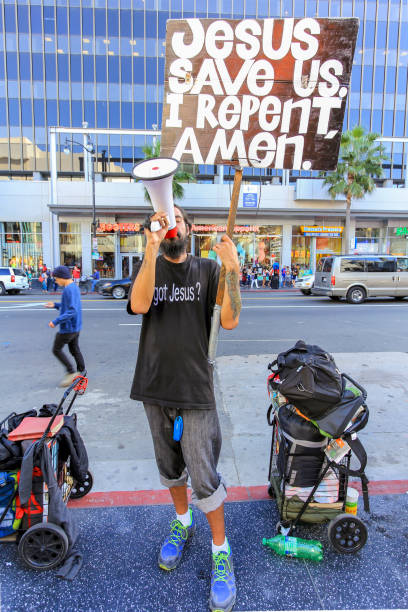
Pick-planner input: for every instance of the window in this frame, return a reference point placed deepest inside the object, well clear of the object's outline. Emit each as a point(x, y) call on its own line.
point(64, 118)
point(352, 265)
point(24, 60)
point(12, 66)
point(151, 25)
point(327, 264)
point(70, 244)
point(113, 22)
point(380, 264)
point(50, 67)
point(62, 20)
point(100, 68)
point(74, 21)
point(88, 67)
point(22, 18)
point(402, 264)
point(26, 114)
point(75, 67)
point(39, 116)
point(21, 245)
point(14, 112)
point(100, 22)
point(10, 18)
point(126, 23)
point(113, 67)
point(87, 22)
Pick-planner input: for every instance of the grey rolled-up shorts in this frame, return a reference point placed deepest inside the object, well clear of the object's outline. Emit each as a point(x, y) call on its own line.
point(196, 455)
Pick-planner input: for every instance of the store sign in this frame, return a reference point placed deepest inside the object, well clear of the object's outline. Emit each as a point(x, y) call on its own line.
point(401, 231)
point(313, 230)
point(118, 227)
point(250, 196)
point(238, 229)
point(268, 93)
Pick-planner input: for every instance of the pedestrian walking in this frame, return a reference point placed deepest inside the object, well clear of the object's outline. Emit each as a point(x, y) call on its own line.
point(95, 277)
point(254, 278)
point(70, 322)
point(43, 280)
point(174, 381)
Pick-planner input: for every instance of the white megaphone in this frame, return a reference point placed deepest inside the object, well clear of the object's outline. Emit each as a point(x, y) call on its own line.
point(157, 176)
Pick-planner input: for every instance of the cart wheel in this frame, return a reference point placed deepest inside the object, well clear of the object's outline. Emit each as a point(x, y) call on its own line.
point(347, 533)
point(43, 546)
point(271, 492)
point(80, 489)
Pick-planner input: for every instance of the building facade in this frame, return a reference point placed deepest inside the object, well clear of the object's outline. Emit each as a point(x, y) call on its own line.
point(66, 62)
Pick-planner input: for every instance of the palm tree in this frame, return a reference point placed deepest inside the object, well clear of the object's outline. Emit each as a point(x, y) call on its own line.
point(179, 176)
point(360, 161)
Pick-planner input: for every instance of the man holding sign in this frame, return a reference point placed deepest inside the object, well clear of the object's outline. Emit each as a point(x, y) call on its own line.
point(176, 294)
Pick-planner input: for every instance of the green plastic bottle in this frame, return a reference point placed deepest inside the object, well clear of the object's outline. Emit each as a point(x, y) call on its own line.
point(295, 547)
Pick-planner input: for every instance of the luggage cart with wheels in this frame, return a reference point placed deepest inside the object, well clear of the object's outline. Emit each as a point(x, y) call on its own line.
point(43, 545)
point(346, 532)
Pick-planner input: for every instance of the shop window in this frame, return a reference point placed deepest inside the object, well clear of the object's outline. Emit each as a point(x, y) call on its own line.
point(106, 262)
point(70, 244)
point(21, 245)
point(203, 245)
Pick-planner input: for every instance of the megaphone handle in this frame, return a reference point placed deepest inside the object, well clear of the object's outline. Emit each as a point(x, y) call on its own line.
point(155, 226)
point(213, 341)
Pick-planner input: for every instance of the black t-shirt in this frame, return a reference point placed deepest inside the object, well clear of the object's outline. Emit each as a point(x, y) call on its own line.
point(172, 368)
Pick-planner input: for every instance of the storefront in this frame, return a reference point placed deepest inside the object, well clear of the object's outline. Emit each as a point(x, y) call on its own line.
point(397, 243)
point(311, 243)
point(120, 248)
point(255, 244)
point(21, 245)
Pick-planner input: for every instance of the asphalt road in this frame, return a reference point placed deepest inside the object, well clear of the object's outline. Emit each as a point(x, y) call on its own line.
point(269, 322)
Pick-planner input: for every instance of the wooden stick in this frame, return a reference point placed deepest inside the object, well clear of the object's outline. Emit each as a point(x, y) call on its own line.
point(230, 228)
point(216, 318)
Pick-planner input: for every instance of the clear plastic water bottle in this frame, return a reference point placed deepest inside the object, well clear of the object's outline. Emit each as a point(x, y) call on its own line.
point(295, 547)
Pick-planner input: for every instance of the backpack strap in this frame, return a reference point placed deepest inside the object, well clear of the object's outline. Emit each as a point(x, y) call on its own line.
point(359, 451)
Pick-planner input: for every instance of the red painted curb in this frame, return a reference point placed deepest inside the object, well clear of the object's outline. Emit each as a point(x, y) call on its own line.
point(235, 494)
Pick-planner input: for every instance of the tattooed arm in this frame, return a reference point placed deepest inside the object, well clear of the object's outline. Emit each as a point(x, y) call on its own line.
point(231, 305)
point(143, 287)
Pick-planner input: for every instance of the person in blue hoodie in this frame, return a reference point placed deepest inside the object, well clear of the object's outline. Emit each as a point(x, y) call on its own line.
point(70, 322)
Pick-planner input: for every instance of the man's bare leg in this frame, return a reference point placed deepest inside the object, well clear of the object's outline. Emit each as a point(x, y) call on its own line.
point(179, 497)
point(217, 525)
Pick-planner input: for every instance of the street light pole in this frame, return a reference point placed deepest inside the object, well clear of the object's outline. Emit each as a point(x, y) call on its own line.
point(89, 150)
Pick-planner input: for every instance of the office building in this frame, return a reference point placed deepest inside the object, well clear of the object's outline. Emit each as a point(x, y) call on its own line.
point(63, 63)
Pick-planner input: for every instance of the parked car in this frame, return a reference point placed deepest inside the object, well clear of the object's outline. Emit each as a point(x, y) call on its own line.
point(118, 288)
point(305, 283)
point(12, 280)
point(357, 277)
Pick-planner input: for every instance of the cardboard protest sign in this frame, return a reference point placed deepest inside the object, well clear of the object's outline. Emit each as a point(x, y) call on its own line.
point(253, 92)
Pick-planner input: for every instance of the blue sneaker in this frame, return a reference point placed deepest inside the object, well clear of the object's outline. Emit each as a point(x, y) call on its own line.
point(223, 591)
point(173, 546)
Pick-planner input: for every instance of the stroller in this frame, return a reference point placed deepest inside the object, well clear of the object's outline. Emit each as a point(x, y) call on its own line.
point(309, 467)
point(42, 545)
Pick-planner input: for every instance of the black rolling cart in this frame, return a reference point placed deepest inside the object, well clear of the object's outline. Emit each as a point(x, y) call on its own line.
point(42, 545)
point(327, 479)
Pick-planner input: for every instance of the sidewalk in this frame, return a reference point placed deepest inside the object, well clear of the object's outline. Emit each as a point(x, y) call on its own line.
point(120, 572)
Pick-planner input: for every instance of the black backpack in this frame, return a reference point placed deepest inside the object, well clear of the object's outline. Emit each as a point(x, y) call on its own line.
point(308, 377)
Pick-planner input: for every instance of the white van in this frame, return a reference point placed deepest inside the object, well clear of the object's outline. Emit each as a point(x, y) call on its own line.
point(356, 277)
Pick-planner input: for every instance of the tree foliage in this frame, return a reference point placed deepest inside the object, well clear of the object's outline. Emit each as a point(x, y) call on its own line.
point(179, 177)
point(360, 162)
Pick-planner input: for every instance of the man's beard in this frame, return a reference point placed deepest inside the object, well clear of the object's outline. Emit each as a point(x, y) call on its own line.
point(174, 247)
